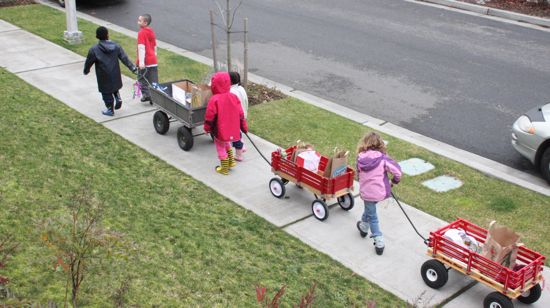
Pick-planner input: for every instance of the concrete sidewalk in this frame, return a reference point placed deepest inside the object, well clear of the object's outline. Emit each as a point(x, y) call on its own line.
point(58, 72)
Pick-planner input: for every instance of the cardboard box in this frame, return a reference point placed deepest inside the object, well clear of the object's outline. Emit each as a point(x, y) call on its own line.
point(180, 94)
point(192, 95)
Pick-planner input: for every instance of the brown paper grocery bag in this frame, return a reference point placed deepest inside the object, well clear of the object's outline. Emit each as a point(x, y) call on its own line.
point(501, 245)
point(337, 164)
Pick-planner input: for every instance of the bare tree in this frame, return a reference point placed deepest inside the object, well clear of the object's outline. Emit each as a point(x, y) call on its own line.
point(79, 240)
point(228, 17)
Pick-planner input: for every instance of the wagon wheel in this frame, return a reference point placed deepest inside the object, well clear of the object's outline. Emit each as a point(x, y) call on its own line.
point(346, 202)
point(434, 274)
point(497, 300)
point(161, 122)
point(532, 295)
point(185, 138)
point(277, 187)
point(319, 209)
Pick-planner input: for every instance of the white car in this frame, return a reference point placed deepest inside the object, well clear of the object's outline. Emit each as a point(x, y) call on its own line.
point(531, 138)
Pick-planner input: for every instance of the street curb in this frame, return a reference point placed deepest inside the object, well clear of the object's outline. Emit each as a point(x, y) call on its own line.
point(484, 165)
point(483, 10)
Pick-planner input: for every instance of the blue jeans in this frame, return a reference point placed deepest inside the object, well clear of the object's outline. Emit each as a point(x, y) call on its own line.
point(370, 217)
point(238, 144)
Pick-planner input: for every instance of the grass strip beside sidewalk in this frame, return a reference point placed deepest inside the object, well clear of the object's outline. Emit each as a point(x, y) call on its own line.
point(192, 246)
point(480, 200)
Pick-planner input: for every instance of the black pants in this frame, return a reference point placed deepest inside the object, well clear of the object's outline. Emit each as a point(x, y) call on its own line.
point(148, 76)
point(110, 98)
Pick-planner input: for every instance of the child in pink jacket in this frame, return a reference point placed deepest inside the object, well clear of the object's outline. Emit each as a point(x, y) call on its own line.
point(224, 118)
point(373, 166)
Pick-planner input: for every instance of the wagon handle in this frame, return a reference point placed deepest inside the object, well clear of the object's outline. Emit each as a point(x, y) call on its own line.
point(268, 162)
point(426, 241)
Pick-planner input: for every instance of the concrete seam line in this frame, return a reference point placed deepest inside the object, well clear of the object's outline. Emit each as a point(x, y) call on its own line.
point(47, 67)
point(126, 116)
point(457, 294)
point(360, 118)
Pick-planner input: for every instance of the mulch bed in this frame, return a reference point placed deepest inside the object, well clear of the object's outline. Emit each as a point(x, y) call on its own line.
point(518, 6)
point(258, 94)
point(5, 3)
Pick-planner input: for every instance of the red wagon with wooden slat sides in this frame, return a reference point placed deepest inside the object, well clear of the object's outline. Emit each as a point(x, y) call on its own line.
point(522, 282)
point(339, 187)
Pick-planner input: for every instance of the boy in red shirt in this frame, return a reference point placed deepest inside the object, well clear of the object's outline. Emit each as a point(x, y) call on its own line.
point(147, 56)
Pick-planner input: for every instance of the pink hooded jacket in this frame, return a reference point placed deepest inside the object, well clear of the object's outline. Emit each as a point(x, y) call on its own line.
point(373, 168)
point(224, 114)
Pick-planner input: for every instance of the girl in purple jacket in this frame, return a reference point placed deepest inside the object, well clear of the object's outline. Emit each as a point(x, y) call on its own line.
point(373, 166)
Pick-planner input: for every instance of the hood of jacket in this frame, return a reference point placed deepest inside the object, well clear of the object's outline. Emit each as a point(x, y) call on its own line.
point(369, 160)
point(220, 83)
point(107, 46)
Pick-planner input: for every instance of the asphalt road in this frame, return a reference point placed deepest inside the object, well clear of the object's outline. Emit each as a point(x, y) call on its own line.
point(457, 78)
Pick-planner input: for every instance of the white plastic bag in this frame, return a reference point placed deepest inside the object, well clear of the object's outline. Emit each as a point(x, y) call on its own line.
point(309, 160)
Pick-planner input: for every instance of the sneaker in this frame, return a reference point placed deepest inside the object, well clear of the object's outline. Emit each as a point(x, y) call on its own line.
point(379, 245)
point(361, 232)
point(108, 112)
point(146, 99)
point(118, 105)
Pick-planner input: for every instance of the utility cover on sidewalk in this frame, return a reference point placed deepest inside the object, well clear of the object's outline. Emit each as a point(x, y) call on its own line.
point(443, 183)
point(415, 166)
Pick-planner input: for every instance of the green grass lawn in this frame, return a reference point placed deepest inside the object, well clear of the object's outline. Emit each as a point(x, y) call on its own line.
point(481, 199)
point(192, 247)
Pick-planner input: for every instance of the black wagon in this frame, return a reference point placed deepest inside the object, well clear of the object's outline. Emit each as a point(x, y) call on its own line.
point(170, 110)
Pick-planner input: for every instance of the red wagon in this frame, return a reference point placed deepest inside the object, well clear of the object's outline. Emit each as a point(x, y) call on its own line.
point(522, 282)
point(339, 187)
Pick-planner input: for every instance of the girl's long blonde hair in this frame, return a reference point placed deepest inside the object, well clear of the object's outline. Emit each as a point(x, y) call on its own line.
point(371, 141)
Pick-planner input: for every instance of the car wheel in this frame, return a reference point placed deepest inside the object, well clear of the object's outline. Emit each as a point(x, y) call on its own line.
point(545, 164)
point(61, 2)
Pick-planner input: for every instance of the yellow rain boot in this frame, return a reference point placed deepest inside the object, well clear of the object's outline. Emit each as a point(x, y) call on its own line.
point(231, 158)
point(224, 167)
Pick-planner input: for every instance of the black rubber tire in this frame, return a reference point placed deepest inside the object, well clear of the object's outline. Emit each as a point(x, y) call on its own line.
point(319, 209)
point(545, 165)
point(434, 274)
point(185, 138)
point(497, 299)
point(346, 202)
point(61, 3)
point(161, 122)
point(277, 188)
point(534, 294)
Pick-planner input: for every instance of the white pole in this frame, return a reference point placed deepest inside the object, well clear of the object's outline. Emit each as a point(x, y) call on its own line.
point(72, 35)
